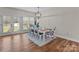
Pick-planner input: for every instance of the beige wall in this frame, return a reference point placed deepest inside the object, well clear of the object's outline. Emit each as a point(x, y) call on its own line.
point(66, 22)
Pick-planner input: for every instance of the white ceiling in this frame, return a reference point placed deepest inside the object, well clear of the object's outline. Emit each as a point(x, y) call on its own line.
point(50, 11)
point(34, 9)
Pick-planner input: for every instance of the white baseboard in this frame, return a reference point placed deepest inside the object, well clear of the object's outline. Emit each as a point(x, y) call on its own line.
point(76, 40)
point(4, 34)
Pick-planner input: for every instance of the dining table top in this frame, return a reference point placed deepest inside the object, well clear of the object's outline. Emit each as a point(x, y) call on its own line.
point(43, 30)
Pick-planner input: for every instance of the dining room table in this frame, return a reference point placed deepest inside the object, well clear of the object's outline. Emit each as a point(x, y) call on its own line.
point(44, 32)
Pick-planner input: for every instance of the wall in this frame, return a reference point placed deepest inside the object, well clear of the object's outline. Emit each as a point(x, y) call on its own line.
point(66, 22)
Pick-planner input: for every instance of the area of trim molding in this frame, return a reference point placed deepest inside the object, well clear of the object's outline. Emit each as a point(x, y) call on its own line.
point(67, 38)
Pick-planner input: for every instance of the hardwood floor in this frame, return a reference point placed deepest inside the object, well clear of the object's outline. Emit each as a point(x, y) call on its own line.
point(20, 43)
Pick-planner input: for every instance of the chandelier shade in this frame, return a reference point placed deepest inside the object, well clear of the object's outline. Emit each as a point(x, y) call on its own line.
point(38, 14)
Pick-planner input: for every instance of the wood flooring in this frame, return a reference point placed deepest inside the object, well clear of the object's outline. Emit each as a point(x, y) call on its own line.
point(20, 43)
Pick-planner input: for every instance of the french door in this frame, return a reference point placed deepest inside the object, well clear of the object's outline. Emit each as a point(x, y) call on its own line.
point(16, 24)
point(12, 24)
point(25, 23)
point(6, 24)
point(1, 25)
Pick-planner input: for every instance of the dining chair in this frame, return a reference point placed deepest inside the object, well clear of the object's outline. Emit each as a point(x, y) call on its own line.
point(50, 33)
point(36, 34)
point(40, 35)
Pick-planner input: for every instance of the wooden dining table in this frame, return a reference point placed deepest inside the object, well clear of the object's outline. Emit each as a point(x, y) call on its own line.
point(43, 31)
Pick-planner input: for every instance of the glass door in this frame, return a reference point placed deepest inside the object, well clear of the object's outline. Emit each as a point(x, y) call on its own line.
point(25, 23)
point(1, 18)
point(16, 24)
point(6, 24)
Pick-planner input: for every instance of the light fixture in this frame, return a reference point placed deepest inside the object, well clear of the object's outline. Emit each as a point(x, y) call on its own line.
point(38, 14)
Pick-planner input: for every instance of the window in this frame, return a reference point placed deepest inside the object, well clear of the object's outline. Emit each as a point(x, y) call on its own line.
point(1, 18)
point(16, 24)
point(25, 23)
point(6, 23)
point(32, 20)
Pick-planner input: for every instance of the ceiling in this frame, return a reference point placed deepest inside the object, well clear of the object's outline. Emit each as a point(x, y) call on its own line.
point(34, 9)
point(49, 11)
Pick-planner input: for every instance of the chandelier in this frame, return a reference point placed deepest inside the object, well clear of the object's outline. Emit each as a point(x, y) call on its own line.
point(38, 14)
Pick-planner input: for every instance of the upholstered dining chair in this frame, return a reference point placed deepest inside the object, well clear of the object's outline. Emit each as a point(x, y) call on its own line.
point(40, 35)
point(50, 33)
